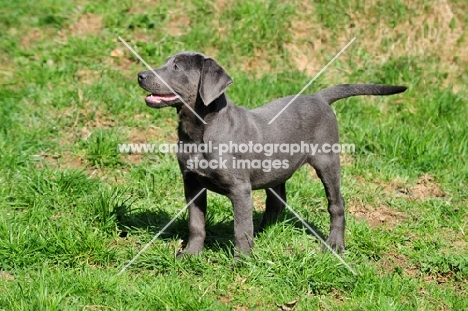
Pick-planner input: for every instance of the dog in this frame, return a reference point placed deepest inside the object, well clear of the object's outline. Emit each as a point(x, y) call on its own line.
point(195, 86)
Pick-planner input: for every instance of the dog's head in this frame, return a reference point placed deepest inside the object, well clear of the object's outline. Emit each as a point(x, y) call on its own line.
point(182, 79)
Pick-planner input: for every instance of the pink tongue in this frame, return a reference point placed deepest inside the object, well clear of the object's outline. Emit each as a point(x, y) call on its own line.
point(158, 98)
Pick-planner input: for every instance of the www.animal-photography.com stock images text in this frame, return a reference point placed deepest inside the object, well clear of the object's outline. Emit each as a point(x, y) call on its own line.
point(243, 155)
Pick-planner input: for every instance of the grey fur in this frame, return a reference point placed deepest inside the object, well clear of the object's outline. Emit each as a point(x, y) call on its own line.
point(202, 82)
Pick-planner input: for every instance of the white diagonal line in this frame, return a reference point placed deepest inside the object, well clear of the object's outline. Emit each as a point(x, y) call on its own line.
point(313, 231)
point(313, 79)
point(159, 77)
point(159, 233)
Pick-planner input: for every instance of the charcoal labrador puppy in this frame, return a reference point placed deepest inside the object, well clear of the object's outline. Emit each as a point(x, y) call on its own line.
point(242, 150)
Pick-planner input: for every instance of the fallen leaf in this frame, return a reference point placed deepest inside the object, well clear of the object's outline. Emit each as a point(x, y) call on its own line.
point(117, 53)
point(288, 305)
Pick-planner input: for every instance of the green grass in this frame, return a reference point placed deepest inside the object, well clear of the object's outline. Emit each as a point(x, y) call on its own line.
point(73, 211)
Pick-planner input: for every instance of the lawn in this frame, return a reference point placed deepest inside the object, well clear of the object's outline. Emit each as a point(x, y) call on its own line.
point(74, 211)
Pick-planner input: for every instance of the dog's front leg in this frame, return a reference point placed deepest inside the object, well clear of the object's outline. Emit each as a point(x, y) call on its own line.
point(197, 213)
point(241, 198)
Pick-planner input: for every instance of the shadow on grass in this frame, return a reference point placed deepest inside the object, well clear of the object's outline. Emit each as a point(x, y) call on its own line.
point(219, 234)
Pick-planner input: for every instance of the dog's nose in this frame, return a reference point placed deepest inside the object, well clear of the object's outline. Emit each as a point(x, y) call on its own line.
point(142, 76)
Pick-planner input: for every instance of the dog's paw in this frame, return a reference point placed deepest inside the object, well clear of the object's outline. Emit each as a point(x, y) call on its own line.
point(180, 255)
point(335, 244)
point(238, 260)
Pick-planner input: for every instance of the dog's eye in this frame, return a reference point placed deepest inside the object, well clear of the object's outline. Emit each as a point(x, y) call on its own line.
point(176, 67)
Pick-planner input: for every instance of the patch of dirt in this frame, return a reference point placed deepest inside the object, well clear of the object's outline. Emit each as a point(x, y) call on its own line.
point(6, 276)
point(392, 262)
point(133, 158)
point(75, 162)
point(141, 7)
point(396, 186)
point(426, 187)
point(31, 37)
point(140, 35)
point(440, 277)
point(222, 5)
point(461, 244)
point(60, 160)
point(84, 133)
point(287, 306)
point(225, 300)
point(211, 52)
point(375, 216)
point(258, 64)
point(87, 76)
point(178, 18)
point(178, 24)
point(96, 118)
point(444, 277)
point(87, 24)
point(143, 135)
point(455, 240)
point(120, 60)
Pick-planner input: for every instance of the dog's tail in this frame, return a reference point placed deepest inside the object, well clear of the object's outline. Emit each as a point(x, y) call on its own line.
point(334, 93)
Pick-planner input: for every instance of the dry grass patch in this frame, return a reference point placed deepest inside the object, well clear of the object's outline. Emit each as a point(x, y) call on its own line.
point(456, 241)
point(310, 46)
point(6, 276)
point(88, 76)
point(141, 7)
point(346, 159)
point(87, 24)
point(259, 198)
point(312, 43)
point(120, 60)
point(429, 31)
point(439, 33)
point(219, 6)
point(7, 70)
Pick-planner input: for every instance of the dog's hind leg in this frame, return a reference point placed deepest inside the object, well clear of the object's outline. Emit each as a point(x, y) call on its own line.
point(273, 205)
point(328, 169)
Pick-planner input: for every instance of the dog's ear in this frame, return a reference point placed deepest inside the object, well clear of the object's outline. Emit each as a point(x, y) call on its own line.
point(214, 81)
